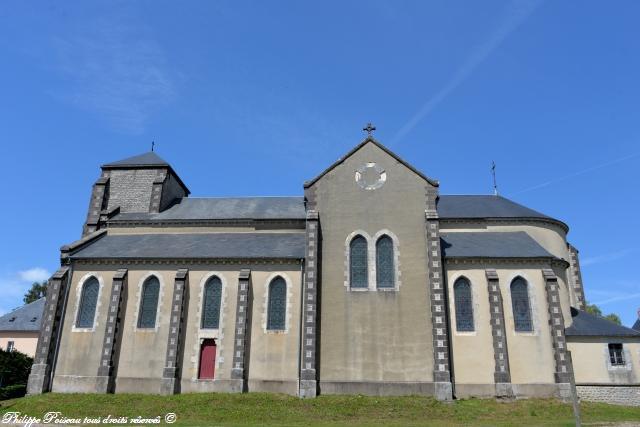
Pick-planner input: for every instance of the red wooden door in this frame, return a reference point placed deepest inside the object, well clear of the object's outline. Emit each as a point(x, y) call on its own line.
point(207, 359)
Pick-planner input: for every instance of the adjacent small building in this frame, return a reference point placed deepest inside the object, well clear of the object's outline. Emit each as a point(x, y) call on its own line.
point(606, 359)
point(19, 329)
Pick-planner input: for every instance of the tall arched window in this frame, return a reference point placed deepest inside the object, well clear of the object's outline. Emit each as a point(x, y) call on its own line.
point(520, 305)
point(358, 263)
point(464, 305)
point(88, 302)
point(385, 271)
point(211, 303)
point(149, 303)
point(277, 306)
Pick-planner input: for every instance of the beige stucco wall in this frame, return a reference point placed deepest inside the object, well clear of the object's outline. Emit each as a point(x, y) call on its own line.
point(274, 354)
point(24, 342)
point(79, 353)
point(531, 355)
point(591, 360)
point(374, 335)
point(472, 351)
point(224, 335)
point(142, 356)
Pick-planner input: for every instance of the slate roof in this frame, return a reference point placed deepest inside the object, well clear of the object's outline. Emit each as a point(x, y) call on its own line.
point(141, 160)
point(491, 245)
point(589, 325)
point(23, 319)
point(260, 208)
point(483, 206)
point(195, 245)
point(636, 326)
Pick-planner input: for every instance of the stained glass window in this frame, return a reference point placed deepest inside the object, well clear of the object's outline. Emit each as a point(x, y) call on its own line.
point(88, 302)
point(211, 303)
point(520, 305)
point(149, 303)
point(464, 305)
point(277, 310)
point(358, 262)
point(385, 272)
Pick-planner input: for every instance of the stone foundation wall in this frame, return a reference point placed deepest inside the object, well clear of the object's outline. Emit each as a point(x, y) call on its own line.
point(617, 395)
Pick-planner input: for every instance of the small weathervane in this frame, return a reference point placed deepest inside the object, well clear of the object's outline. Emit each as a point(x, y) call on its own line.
point(153, 145)
point(495, 183)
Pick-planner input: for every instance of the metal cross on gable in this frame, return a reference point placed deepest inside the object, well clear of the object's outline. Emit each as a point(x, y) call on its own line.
point(369, 128)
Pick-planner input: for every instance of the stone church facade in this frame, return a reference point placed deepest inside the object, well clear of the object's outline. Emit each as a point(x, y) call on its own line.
point(371, 283)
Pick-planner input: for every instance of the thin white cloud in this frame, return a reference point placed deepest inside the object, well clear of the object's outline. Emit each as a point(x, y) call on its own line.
point(13, 286)
point(578, 173)
point(36, 274)
point(517, 12)
point(115, 70)
point(622, 297)
point(599, 259)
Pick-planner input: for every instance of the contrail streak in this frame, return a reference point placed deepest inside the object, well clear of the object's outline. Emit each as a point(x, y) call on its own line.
point(517, 13)
point(591, 169)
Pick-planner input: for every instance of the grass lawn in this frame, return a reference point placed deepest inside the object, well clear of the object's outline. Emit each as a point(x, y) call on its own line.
point(280, 410)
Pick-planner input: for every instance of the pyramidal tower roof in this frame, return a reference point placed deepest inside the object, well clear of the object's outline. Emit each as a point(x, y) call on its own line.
point(150, 159)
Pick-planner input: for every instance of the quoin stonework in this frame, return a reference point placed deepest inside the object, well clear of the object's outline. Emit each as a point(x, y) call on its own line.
point(371, 282)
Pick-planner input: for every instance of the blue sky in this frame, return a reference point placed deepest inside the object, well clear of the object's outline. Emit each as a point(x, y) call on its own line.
point(253, 98)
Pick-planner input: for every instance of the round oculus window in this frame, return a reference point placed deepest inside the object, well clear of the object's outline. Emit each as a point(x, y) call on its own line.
point(370, 176)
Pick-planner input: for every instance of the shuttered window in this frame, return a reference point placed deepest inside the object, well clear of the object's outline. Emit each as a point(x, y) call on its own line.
point(358, 263)
point(149, 303)
point(88, 302)
point(385, 271)
point(464, 305)
point(211, 303)
point(277, 307)
point(521, 305)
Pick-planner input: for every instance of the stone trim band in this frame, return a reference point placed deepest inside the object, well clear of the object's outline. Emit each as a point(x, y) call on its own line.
point(113, 334)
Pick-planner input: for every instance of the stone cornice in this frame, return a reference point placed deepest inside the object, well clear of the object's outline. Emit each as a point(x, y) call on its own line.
point(189, 261)
point(486, 260)
point(115, 223)
point(509, 220)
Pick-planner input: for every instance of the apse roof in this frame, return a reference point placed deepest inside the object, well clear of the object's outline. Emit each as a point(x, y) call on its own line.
point(26, 318)
point(589, 325)
point(490, 244)
point(195, 245)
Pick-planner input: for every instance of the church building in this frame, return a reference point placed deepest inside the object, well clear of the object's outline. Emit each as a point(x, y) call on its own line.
point(372, 282)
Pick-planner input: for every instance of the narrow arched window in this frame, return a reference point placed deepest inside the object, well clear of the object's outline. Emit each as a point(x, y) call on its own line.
point(385, 271)
point(149, 303)
point(211, 303)
point(88, 302)
point(358, 263)
point(520, 305)
point(464, 305)
point(277, 307)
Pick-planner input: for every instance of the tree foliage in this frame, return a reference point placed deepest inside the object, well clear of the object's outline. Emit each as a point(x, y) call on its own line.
point(37, 291)
point(14, 368)
point(596, 311)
